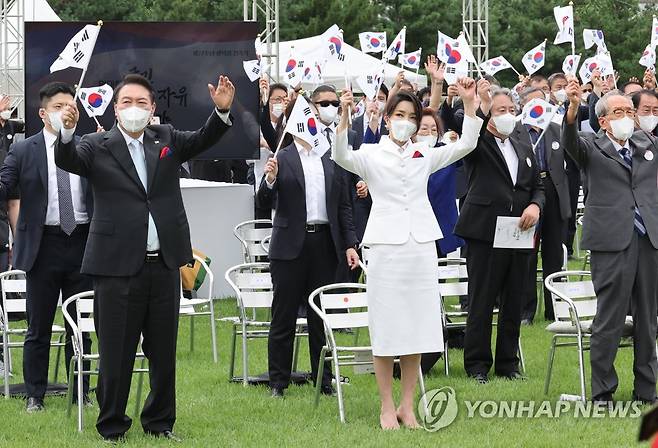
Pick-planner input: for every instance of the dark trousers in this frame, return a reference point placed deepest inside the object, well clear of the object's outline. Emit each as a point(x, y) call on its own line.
point(552, 230)
point(573, 175)
point(620, 278)
point(146, 303)
point(494, 273)
point(293, 281)
point(56, 268)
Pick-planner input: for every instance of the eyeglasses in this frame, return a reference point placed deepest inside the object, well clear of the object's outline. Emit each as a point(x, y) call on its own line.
point(277, 100)
point(619, 113)
point(335, 103)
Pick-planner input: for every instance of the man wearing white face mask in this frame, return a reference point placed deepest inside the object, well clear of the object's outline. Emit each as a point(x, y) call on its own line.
point(50, 237)
point(138, 239)
point(646, 105)
point(620, 229)
point(277, 100)
point(504, 180)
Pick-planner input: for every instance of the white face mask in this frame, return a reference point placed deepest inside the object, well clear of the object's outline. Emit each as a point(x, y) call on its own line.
point(5, 114)
point(622, 128)
point(134, 119)
point(328, 114)
point(402, 129)
point(584, 97)
point(429, 139)
point(647, 122)
point(504, 123)
point(561, 96)
point(55, 119)
point(380, 106)
point(277, 109)
point(547, 97)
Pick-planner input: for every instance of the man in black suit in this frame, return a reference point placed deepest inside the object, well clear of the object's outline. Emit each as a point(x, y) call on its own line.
point(503, 181)
point(312, 231)
point(50, 239)
point(552, 227)
point(138, 239)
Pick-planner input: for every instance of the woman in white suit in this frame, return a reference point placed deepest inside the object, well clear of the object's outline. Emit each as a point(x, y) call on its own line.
point(403, 293)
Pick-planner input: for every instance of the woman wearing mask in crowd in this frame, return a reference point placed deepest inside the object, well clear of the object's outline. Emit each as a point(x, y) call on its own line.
point(404, 313)
point(441, 187)
point(277, 100)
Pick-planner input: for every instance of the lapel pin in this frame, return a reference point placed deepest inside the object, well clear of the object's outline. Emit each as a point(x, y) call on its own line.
point(156, 141)
point(555, 145)
point(648, 155)
point(527, 160)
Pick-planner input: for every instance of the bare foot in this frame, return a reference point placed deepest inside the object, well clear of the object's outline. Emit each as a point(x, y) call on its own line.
point(407, 418)
point(388, 420)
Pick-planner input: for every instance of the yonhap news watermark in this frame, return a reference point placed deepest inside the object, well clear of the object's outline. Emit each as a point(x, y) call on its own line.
point(439, 408)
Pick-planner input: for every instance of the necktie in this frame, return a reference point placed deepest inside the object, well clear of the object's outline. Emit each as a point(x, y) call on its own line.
point(540, 149)
point(139, 160)
point(327, 132)
point(637, 220)
point(66, 214)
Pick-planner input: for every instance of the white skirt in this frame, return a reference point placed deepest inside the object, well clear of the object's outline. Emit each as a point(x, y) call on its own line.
point(404, 304)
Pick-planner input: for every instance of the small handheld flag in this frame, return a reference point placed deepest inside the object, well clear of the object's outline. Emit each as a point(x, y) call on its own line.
point(303, 124)
point(591, 37)
point(77, 52)
point(538, 113)
point(494, 65)
point(534, 59)
point(397, 46)
point(648, 58)
point(96, 99)
point(372, 42)
point(411, 60)
point(564, 18)
point(570, 64)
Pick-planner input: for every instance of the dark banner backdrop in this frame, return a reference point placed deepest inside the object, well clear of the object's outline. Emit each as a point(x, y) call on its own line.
point(179, 58)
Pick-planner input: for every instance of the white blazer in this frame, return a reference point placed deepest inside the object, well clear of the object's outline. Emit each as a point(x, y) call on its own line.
point(397, 183)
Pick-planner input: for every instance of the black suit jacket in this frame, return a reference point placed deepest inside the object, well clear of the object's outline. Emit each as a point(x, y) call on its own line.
point(26, 167)
point(490, 189)
point(117, 236)
point(357, 126)
point(555, 161)
point(287, 196)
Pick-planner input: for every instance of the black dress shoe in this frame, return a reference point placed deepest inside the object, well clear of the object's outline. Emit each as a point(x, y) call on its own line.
point(645, 401)
point(166, 434)
point(114, 440)
point(514, 376)
point(328, 389)
point(276, 392)
point(34, 405)
point(526, 321)
point(481, 378)
point(603, 399)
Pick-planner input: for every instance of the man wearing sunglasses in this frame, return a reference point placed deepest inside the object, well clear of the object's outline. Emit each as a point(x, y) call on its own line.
point(621, 231)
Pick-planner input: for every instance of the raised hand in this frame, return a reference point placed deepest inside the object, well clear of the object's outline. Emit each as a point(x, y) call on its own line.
point(223, 94)
point(466, 89)
point(4, 103)
point(649, 79)
point(70, 115)
point(347, 105)
point(271, 170)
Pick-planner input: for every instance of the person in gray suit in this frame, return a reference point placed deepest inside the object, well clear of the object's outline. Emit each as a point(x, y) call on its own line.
point(621, 230)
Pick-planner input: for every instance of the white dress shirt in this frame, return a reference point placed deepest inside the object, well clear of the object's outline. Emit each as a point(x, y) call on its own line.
point(314, 186)
point(619, 147)
point(77, 194)
point(511, 159)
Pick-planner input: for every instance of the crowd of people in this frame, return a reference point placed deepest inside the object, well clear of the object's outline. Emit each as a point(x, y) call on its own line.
point(417, 175)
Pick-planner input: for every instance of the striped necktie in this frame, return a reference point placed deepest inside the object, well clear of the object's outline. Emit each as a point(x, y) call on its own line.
point(637, 219)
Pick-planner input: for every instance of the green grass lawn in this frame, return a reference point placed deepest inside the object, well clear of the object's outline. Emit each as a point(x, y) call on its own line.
point(211, 411)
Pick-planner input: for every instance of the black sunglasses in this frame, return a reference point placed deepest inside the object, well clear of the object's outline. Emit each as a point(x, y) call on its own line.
point(327, 103)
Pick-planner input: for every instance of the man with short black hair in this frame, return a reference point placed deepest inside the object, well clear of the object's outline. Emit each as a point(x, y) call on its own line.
point(138, 239)
point(50, 237)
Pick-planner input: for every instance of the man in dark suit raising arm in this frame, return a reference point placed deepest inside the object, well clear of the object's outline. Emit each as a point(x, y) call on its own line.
point(620, 228)
point(138, 239)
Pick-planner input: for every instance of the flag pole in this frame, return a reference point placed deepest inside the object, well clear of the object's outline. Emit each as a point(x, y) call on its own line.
point(534, 146)
point(518, 74)
point(84, 71)
point(477, 67)
point(278, 146)
point(420, 58)
point(573, 37)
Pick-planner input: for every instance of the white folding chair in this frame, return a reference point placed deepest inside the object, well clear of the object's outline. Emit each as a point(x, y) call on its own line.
point(574, 303)
point(83, 322)
point(14, 292)
point(253, 289)
point(453, 282)
point(251, 234)
point(349, 305)
point(201, 306)
point(580, 212)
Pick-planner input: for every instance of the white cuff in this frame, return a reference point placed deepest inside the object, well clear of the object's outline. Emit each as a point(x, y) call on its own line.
point(66, 135)
point(223, 116)
point(269, 185)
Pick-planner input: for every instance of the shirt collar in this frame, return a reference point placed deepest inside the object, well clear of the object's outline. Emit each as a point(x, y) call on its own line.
point(617, 146)
point(49, 138)
point(502, 142)
point(302, 151)
point(129, 139)
point(387, 140)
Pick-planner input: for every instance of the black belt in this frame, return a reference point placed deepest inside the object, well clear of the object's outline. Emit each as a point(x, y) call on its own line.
point(153, 256)
point(57, 230)
point(544, 174)
point(313, 228)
